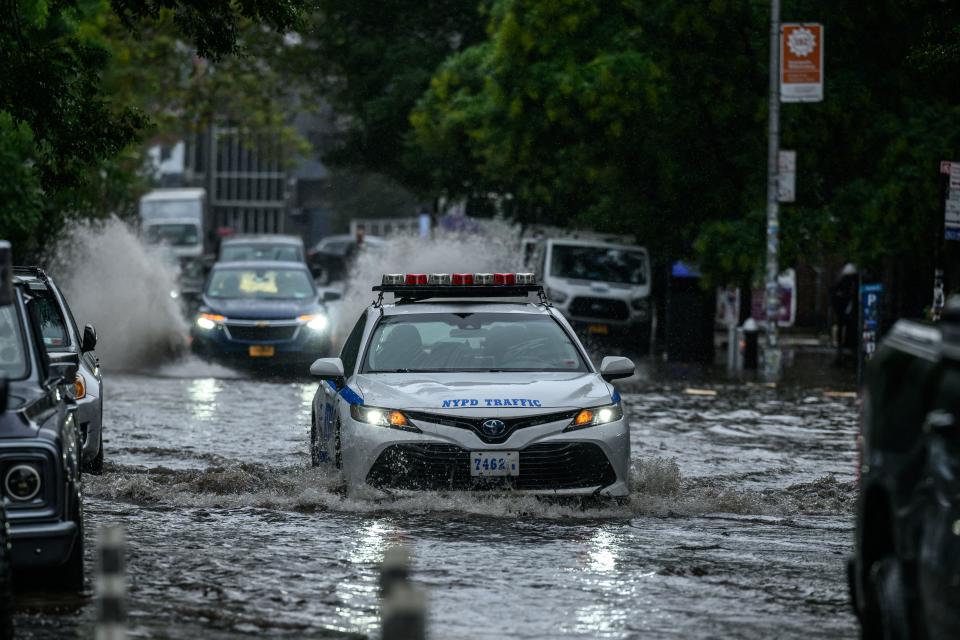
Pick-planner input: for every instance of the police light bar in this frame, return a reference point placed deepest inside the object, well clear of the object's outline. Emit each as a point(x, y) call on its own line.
point(420, 286)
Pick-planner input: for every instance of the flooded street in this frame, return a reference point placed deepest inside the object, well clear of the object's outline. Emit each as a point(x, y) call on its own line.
point(739, 523)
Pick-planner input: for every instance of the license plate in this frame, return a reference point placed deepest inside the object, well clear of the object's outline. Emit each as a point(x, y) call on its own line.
point(491, 464)
point(599, 329)
point(262, 350)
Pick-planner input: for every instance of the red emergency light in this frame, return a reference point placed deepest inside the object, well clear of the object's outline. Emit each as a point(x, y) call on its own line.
point(416, 279)
point(462, 279)
point(504, 278)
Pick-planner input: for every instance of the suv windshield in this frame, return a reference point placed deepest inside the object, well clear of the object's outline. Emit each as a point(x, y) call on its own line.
point(13, 360)
point(177, 235)
point(261, 251)
point(260, 284)
point(470, 342)
point(602, 264)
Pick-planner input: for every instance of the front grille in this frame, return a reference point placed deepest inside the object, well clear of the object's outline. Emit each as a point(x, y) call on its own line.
point(546, 466)
point(600, 308)
point(269, 333)
point(475, 424)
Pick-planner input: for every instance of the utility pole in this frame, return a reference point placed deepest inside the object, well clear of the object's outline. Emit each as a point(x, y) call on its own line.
point(771, 359)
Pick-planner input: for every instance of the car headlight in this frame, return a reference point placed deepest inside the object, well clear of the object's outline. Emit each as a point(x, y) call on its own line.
point(315, 321)
point(381, 417)
point(208, 321)
point(22, 482)
point(641, 304)
point(79, 387)
point(556, 296)
point(596, 416)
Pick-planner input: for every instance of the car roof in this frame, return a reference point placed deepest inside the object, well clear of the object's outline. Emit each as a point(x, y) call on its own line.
point(34, 277)
point(595, 243)
point(260, 264)
point(273, 238)
point(465, 306)
point(173, 194)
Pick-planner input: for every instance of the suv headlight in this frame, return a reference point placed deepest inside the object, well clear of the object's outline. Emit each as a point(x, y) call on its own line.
point(208, 321)
point(556, 296)
point(381, 417)
point(595, 416)
point(22, 482)
point(315, 321)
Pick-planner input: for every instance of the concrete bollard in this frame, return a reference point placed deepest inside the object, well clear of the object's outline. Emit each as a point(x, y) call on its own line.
point(403, 608)
point(111, 585)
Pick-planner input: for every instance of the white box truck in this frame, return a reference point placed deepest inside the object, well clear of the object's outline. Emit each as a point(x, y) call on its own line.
point(175, 218)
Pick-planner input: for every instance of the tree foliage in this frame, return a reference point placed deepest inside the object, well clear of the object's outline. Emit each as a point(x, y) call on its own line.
point(67, 122)
point(651, 117)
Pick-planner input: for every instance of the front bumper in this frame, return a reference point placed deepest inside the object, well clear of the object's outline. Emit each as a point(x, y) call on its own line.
point(42, 545)
point(301, 347)
point(589, 461)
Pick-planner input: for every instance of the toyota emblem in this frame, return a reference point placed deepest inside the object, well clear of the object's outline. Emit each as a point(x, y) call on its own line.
point(493, 427)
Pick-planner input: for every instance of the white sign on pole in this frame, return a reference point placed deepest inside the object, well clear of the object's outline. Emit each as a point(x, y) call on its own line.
point(801, 62)
point(955, 177)
point(787, 176)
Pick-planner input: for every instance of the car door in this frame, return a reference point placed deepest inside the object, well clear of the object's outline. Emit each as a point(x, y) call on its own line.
point(331, 390)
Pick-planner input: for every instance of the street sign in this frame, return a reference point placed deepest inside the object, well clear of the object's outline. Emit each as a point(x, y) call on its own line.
point(951, 207)
point(787, 176)
point(801, 62)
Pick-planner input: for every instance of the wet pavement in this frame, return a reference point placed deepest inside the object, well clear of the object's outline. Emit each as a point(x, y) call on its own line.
point(738, 527)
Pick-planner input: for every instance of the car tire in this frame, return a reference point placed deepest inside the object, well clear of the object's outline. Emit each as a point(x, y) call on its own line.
point(314, 444)
point(337, 455)
point(889, 593)
point(95, 466)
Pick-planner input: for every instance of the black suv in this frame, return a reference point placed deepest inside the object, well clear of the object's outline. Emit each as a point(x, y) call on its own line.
point(39, 442)
point(905, 573)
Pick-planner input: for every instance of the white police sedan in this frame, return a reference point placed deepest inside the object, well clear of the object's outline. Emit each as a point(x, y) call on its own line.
point(470, 381)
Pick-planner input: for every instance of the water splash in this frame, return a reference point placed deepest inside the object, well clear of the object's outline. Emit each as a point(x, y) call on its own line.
point(122, 287)
point(496, 248)
point(658, 489)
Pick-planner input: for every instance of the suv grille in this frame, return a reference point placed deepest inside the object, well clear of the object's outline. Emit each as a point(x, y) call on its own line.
point(603, 308)
point(546, 466)
point(268, 333)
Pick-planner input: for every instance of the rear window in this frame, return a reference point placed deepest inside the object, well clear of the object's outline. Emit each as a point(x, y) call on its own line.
point(481, 342)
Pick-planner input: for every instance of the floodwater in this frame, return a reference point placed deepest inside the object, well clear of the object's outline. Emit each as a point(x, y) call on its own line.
point(738, 527)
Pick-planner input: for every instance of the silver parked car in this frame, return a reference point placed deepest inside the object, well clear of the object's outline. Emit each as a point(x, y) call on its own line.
point(62, 339)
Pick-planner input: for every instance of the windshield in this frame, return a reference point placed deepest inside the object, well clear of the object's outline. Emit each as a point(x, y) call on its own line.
point(261, 251)
point(470, 342)
point(13, 361)
point(261, 284)
point(174, 234)
point(602, 264)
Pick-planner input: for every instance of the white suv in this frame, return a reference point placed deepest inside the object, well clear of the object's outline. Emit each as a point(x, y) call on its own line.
point(602, 288)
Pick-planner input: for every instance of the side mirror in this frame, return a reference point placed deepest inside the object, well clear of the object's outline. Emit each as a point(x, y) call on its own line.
point(330, 296)
point(327, 368)
point(63, 367)
point(89, 339)
point(6, 274)
point(4, 393)
point(616, 367)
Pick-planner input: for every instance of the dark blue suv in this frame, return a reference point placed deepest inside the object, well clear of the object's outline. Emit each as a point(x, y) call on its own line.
point(261, 314)
point(39, 441)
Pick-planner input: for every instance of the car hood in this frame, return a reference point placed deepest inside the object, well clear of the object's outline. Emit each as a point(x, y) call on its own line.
point(261, 309)
point(483, 393)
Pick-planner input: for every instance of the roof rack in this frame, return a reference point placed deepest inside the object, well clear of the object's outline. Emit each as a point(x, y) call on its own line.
point(416, 293)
